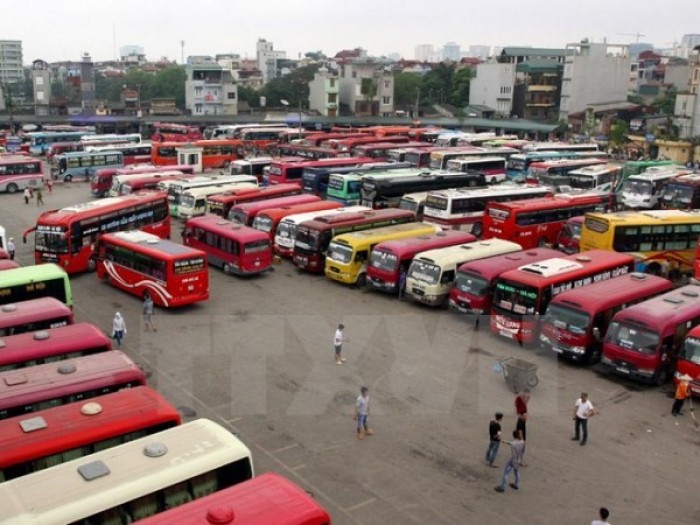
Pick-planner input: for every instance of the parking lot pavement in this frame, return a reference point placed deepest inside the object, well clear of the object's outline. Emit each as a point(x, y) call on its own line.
point(258, 358)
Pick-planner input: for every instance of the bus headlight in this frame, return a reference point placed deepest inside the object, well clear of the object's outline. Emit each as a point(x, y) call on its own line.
point(578, 349)
point(545, 339)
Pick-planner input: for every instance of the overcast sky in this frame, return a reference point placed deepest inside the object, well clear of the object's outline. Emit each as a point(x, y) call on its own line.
point(56, 30)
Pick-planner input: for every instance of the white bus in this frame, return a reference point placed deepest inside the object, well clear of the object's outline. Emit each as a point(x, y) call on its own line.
point(439, 159)
point(493, 168)
point(599, 177)
point(645, 190)
point(560, 146)
point(176, 188)
point(132, 481)
point(432, 274)
point(127, 183)
point(414, 202)
point(464, 209)
point(193, 202)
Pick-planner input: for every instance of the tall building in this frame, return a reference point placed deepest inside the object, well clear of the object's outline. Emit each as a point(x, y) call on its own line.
point(366, 87)
point(687, 110)
point(132, 54)
point(424, 52)
point(267, 59)
point(690, 41)
point(324, 92)
point(41, 82)
point(209, 88)
point(11, 69)
point(87, 85)
point(451, 51)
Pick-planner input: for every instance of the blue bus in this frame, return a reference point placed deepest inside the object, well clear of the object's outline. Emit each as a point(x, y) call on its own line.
point(76, 164)
point(40, 141)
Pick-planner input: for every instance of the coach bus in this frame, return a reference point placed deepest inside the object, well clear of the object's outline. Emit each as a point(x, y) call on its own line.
point(492, 168)
point(218, 153)
point(176, 189)
point(522, 295)
point(245, 212)
point(315, 180)
point(166, 132)
point(309, 153)
point(689, 360)
point(221, 203)
point(139, 262)
point(268, 219)
point(644, 341)
point(51, 345)
point(645, 191)
point(346, 187)
point(575, 321)
point(561, 146)
point(682, 193)
point(34, 314)
point(132, 481)
point(313, 237)
point(235, 248)
point(663, 242)
point(63, 147)
point(463, 209)
point(519, 163)
point(570, 235)
point(68, 236)
point(110, 139)
point(18, 172)
point(431, 274)
point(560, 168)
point(380, 150)
point(599, 177)
point(635, 167)
point(193, 202)
point(33, 282)
point(349, 253)
point(129, 184)
point(267, 499)
point(475, 280)
point(292, 171)
point(101, 182)
point(538, 222)
point(132, 153)
point(390, 258)
point(57, 383)
point(66, 432)
point(439, 159)
point(84, 164)
point(40, 141)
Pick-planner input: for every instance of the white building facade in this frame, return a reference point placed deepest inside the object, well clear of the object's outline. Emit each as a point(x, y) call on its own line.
point(493, 87)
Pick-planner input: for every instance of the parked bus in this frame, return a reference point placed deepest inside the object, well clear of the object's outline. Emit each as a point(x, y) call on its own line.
point(132, 481)
point(635, 167)
point(475, 280)
point(463, 209)
point(520, 296)
point(217, 153)
point(221, 203)
point(348, 253)
point(561, 146)
point(287, 229)
point(538, 222)
point(193, 202)
point(128, 184)
point(84, 164)
point(139, 262)
point(414, 202)
point(18, 172)
point(682, 193)
point(267, 499)
point(133, 153)
point(439, 159)
point(233, 131)
point(176, 188)
point(285, 171)
point(66, 432)
point(236, 249)
point(41, 141)
point(51, 345)
point(432, 274)
point(268, 220)
point(315, 180)
point(599, 177)
point(346, 187)
point(420, 157)
point(110, 139)
point(63, 147)
point(576, 321)
point(645, 191)
point(256, 166)
point(519, 163)
point(313, 237)
point(540, 171)
point(663, 242)
point(389, 258)
point(644, 341)
point(101, 182)
point(570, 235)
point(33, 282)
point(492, 168)
point(245, 212)
point(165, 132)
point(57, 383)
point(33, 314)
point(380, 150)
point(689, 360)
point(310, 152)
point(349, 145)
point(7, 264)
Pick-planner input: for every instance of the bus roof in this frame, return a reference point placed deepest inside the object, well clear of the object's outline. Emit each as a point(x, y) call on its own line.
point(468, 252)
point(282, 212)
point(298, 218)
point(152, 244)
point(552, 202)
point(206, 191)
point(329, 222)
point(554, 163)
point(691, 179)
point(254, 207)
point(596, 169)
point(38, 272)
point(377, 234)
point(621, 218)
point(456, 193)
point(664, 311)
point(410, 246)
point(98, 207)
point(234, 193)
point(656, 173)
point(475, 160)
point(23, 312)
point(226, 228)
point(494, 266)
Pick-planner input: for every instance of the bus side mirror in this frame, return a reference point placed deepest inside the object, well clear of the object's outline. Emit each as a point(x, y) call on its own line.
point(596, 333)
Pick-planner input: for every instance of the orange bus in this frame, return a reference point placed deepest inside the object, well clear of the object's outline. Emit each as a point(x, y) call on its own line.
point(292, 171)
point(216, 153)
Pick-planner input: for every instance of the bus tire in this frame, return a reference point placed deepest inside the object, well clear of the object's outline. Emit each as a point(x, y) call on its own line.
point(225, 268)
point(477, 229)
point(361, 281)
point(68, 178)
point(91, 265)
point(542, 242)
point(12, 188)
point(661, 377)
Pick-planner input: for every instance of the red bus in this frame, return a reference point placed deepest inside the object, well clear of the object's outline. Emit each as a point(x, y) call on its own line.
point(689, 360)
point(349, 145)
point(164, 132)
point(216, 153)
point(292, 171)
point(139, 262)
point(221, 203)
point(234, 248)
point(128, 184)
point(55, 344)
point(576, 321)
point(132, 153)
point(68, 236)
point(644, 341)
point(245, 212)
point(267, 499)
point(420, 157)
point(476, 279)
point(44, 386)
point(313, 237)
point(309, 152)
point(34, 314)
point(7, 264)
point(316, 139)
point(696, 263)
point(380, 150)
point(388, 259)
point(538, 222)
point(570, 235)
point(681, 193)
point(101, 182)
point(59, 148)
point(521, 295)
point(267, 220)
point(63, 433)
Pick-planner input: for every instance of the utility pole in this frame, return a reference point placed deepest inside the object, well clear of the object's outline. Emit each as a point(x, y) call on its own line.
point(182, 52)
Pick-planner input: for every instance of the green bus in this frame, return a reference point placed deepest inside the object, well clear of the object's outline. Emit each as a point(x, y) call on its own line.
point(635, 167)
point(32, 282)
point(345, 187)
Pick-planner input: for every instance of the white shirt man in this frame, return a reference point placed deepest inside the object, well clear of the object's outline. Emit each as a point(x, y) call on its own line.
point(338, 345)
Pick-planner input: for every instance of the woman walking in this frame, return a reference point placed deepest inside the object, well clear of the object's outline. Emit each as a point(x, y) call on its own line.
point(118, 329)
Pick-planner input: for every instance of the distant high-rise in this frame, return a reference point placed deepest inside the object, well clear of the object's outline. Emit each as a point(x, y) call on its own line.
point(424, 52)
point(480, 51)
point(131, 53)
point(267, 59)
point(11, 69)
point(690, 41)
point(451, 51)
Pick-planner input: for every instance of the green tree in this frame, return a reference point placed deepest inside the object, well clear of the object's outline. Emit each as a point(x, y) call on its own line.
point(459, 92)
point(406, 87)
point(618, 133)
point(666, 105)
point(168, 83)
point(294, 87)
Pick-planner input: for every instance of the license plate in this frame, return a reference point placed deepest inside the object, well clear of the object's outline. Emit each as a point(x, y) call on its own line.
point(257, 263)
point(622, 370)
point(506, 333)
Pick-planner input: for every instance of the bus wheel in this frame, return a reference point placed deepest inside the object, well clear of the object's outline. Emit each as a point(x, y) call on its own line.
point(542, 242)
point(12, 188)
point(477, 229)
point(661, 378)
point(361, 281)
point(91, 265)
point(68, 178)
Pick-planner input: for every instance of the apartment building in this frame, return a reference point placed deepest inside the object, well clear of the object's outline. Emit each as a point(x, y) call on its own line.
point(324, 92)
point(366, 87)
point(11, 69)
point(209, 88)
point(687, 110)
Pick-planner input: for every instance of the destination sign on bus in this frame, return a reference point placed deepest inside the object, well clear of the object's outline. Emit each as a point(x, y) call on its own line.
point(189, 265)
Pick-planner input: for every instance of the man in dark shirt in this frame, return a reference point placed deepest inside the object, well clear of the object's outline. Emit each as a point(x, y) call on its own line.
point(494, 439)
point(521, 401)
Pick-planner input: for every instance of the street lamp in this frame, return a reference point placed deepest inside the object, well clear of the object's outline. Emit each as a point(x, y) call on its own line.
point(285, 103)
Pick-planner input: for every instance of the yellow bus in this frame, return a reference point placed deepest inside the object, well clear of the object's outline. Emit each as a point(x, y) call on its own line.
point(663, 241)
point(348, 253)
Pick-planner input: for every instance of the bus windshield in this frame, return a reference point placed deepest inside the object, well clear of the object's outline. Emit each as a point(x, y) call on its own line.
point(339, 253)
point(516, 298)
point(585, 182)
point(678, 193)
point(381, 260)
point(640, 187)
point(287, 229)
point(632, 338)
point(471, 284)
point(569, 319)
point(51, 241)
point(309, 239)
point(263, 223)
point(691, 350)
point(424, 271)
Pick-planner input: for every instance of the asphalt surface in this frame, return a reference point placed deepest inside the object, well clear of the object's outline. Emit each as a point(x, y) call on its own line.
point(258, 358)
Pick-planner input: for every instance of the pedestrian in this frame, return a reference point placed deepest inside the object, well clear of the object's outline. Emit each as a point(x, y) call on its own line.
point(338, 344)
point(516, 457)
point(148, 312)
point(49, 185)
point(39, 197)
point(682, 390)
point(494, 439)
point(118, 329)
point(11, 248)
point(603, 514)
point(362, 413)
point(27, 195)
point(521, 402)
point(583, 410)
point(402, 284)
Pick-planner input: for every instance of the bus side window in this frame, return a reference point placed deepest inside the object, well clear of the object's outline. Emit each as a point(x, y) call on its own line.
point(447, 277)
point(361, 256)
